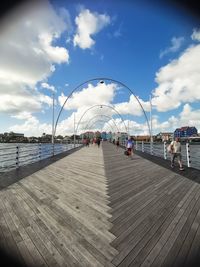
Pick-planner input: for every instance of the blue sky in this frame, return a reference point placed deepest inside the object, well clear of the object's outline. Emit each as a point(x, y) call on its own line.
point(60, 44)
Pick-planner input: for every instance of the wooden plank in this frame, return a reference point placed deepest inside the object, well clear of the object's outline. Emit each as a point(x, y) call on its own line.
point(129, 250)
point(146, 214)
point(155, 244)
point(179, 249)
point(167, 247)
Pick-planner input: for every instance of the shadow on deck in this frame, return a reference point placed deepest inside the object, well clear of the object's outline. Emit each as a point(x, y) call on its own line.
point(155, 211)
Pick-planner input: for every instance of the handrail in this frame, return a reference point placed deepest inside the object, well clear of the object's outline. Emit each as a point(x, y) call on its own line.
point(158, 149)
point(22, 156)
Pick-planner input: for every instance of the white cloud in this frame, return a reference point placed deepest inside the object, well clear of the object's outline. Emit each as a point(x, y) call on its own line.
point(178, 81)
point(89, 96)
point(49, 87)
point(31, 127)
point(175, 45)
point(28, 55)
point(196, 35)
point(54, 53)
point(20, 100)
point(187, 117)
point(24, 115)
point(132, 106)
point(88, 24)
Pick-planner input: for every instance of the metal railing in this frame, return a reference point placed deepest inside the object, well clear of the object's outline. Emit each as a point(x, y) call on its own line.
point(190, 152)
point(17, 155)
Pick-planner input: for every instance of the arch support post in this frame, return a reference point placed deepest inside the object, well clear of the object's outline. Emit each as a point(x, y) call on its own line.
point(188, 155)
point(165, 150)
point(74, 131)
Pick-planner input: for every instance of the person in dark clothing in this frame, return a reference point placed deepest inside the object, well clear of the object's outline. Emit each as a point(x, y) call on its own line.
point(98, 142)
point(117, 144)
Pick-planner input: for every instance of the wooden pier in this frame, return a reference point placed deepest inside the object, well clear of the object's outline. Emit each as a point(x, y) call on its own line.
point(96, 207)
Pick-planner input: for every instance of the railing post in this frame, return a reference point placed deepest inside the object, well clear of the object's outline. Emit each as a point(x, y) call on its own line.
point(17, 157)
point(136, 145)
point(188, 155)
point(165, 150)
point(53, 150)
point(151, 148)
point(40, 152)
point(142, 146)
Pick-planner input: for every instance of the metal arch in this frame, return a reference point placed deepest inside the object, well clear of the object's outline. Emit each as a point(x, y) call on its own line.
point(101, 121)
point(100, 106)
point(102, 115)
point(99, 79)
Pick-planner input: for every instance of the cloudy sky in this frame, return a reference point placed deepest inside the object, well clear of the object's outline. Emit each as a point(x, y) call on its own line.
point(53, 47)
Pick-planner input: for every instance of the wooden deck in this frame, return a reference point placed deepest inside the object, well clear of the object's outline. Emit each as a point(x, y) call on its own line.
point(100, 208)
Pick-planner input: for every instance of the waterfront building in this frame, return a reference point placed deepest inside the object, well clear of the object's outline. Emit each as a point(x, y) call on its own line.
point(104, 135)
point(87, 134)
point(185, 132)
point(164, 136)
point(145, 138)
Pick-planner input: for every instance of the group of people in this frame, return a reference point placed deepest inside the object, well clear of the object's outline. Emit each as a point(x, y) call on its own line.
point(174, 149)
point(88, 141)
point(129, 146)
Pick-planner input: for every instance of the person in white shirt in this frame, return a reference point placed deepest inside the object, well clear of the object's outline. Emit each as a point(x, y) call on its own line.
point(129, 147)
point(175, 149)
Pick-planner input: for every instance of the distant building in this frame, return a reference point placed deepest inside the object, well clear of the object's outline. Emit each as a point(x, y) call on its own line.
point(12, 134)
point(88, 134)
point(145, 138)
point(164, 136)
point(109, 136)
point(185, 132)
point(104, 135)
point(121, 136)
point(67, 139)
point(97, 134)
point(1, 137)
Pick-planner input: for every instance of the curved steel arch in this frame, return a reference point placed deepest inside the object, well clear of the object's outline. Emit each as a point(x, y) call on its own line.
point(101, 121)
point(101, 115)
point(102, 79)
point(100, 106)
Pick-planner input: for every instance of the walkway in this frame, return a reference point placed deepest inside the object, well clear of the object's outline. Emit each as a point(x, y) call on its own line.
point(100, 208)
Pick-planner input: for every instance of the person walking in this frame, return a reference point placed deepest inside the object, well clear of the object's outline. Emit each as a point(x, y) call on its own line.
point(98, 142)
point(129, 147)
point(175, 150)
point(117, 144)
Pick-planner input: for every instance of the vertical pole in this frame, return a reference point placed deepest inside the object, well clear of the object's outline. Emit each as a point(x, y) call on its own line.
point(53, 96)
point(74, 132)
point(128, 129)
point(40, 152)
point(151, 133)
point(136, 145)
point(188, 155)
point(17, 157)
point(165, 150)
point(142, 146)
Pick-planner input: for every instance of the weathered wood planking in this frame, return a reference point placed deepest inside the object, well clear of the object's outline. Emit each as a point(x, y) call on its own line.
point(58, 216)
point(155, 212)
point(72, 213)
